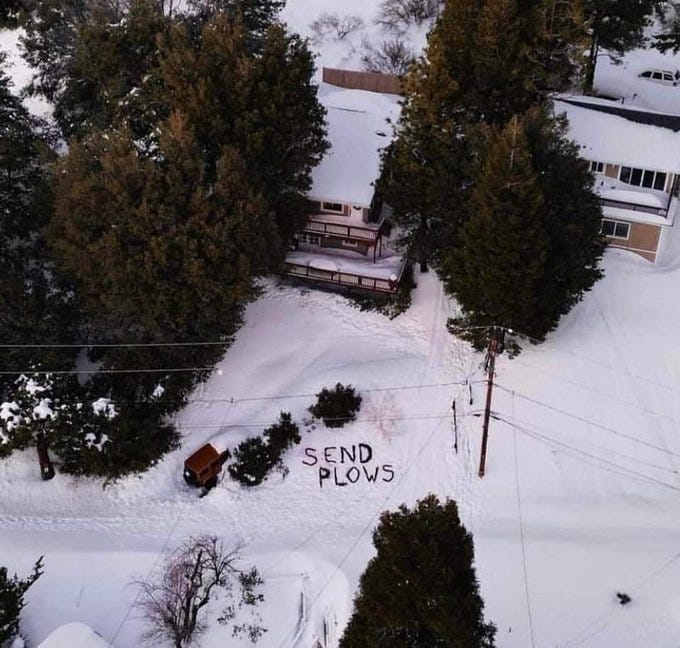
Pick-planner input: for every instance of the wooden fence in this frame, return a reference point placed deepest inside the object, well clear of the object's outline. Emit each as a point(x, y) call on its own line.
point(357, 80)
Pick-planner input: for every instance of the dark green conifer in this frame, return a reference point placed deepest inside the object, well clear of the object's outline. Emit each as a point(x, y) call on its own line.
point(420, 590)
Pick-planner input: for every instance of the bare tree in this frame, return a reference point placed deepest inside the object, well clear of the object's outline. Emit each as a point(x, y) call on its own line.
point(330, 25)
point(392, 56)
point(398, 15)
point(201, 570)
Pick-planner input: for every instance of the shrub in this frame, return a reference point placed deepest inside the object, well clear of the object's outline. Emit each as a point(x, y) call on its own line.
point(330, 25)
point(397, 15)
point(256, 457)
point(284, 434)
point(336, 406)
point(392, 56)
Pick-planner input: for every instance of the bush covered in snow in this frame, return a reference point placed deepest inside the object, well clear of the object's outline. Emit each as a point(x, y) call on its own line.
point(336, 406)
point(256, 457)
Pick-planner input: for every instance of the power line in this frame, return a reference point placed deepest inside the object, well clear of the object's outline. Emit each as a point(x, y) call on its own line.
point(422, 417)
point(521, 533)
point(588, 421)
point(649, 464)
point(622, 470)
point(596, 391)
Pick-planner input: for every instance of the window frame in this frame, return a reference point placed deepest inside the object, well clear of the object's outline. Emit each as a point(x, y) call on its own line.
point(329, 207)
point(349, 243)
point(631, 172)
point(595, 166)
point(616, 224)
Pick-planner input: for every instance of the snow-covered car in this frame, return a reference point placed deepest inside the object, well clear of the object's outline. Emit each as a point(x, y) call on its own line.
point(664, 77)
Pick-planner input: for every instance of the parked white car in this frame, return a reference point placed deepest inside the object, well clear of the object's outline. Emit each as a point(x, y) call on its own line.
point(664, 77)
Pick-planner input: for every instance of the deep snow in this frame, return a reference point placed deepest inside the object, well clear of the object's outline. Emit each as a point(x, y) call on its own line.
point(586, 448)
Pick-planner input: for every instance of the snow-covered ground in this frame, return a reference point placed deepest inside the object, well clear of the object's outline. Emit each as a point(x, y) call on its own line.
point(581, 499)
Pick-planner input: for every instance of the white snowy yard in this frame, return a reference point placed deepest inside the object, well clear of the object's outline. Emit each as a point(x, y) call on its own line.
point(600, 505)
point(581, 498)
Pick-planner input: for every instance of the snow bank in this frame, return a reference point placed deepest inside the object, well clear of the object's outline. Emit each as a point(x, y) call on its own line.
point(74, 635)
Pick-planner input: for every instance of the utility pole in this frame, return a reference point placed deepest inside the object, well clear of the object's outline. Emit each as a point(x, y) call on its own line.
point(490, 368)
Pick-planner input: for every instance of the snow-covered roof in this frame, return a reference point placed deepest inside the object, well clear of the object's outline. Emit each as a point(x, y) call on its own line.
point(74, 635)
point(615, 139)
point(357, 131)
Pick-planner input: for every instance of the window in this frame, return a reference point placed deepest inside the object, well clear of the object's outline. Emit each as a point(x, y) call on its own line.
point(657, 75)
point(310, 239)
point(348, 243)
point(596, 167)
point(668, 77)
point(643, 178)
point(336, 208)
point(646, 75)
point(615, 229)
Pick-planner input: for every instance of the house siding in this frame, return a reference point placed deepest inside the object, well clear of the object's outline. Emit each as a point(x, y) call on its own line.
point(337, 244)
point(358, 80)
point(643, 239)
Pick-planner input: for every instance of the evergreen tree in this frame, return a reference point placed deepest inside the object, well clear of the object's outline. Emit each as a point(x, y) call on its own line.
point(257, 15)
point(669, 38)
point(531, 245)
point(485, 62)
point(111, 70)
point(51, 34)
point(34, 305)
point(12, 593)
point(615, 26)
point(10, 13)
point(157, 252)
point(496, 269)
point(265, 106)
point(420, 590)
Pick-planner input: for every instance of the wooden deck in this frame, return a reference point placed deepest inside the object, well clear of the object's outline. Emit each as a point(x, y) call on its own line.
point(347, 232)
point(350, 280)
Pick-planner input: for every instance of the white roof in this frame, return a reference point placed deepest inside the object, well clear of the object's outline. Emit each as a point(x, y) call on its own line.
point(357, 131)
point(609, 138)
point(74, 635)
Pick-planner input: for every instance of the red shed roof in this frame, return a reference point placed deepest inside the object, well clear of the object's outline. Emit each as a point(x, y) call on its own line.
point(202, 458)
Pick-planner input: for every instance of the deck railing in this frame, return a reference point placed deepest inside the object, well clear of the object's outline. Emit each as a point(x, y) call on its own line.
point(342, 278)
point(646, 209)
point(348, 232)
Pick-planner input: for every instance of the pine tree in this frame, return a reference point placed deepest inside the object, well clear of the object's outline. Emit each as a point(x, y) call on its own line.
point(420, 590)
point(531, 245)
point(34, 305)
point(615, 26)
point(257, 16)
point(12, 593)
point(51, 35)
point(111, 69)
point(10, 13)
point(496, 269)
point(265, 106)
point(483, 63)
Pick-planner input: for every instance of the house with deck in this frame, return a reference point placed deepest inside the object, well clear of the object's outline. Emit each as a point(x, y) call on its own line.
point(635, 156)
point(348, 240)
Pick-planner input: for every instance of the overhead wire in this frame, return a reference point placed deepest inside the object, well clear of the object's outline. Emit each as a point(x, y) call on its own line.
point(521, 534)
point(590, 422)
point(618, 468)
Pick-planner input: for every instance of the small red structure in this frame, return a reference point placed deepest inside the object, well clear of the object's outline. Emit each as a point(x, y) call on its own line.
point(203, 467)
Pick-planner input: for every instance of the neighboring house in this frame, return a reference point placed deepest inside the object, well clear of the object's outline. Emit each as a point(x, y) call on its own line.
point(347, 241)
point(635, 156)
